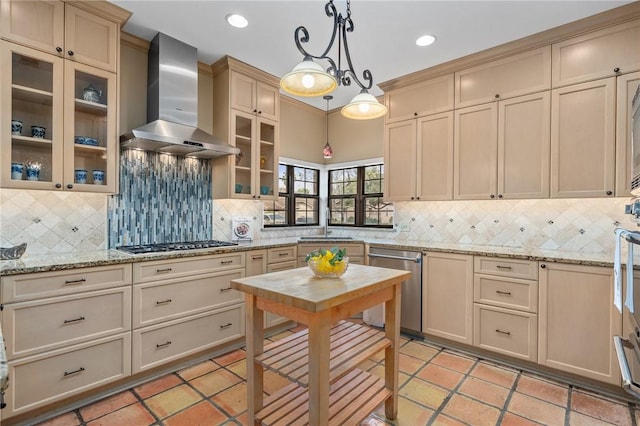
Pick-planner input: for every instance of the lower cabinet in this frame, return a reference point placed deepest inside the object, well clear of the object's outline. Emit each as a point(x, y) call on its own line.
point(506, 331)
point(577, 321)
point(355, 251)
point(447, 296)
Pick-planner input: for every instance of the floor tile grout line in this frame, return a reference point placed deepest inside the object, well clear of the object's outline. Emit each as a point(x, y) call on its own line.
point(507, 401)
point(567, 413)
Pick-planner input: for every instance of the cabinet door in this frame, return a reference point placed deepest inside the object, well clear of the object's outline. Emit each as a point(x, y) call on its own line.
point(515, 75)
point(583, 140)
point(31, 91)
point(400, 161)
point(268, 101)
point(626, 86)
point(577, 321)
point(243, 128)
point(434, 175)
point(523, 146)
point(266, 165)
point(243, 93)
point(38, 24)
point(475, 152)
point(90, 166)
point(597, 55)
point(256, 263)
point(447, 296)
point(417, 100)
point(91, 39)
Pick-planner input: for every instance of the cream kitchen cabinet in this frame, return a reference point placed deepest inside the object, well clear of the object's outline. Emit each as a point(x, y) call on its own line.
point(447, 296)
point(626, 86)
point(609, 52)
point(501, 149)
point(509, 77)
point(184, 306)
point(246, 113)
point(89, 36)
point(418, 100)
point(39, 89)
point(271, 260)
point(577, 321)
point(65, 332)
point(583, 139)
point(505, 294)
point(418, 158)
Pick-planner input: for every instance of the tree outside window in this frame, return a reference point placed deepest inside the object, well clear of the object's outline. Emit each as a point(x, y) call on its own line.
point(298, 198)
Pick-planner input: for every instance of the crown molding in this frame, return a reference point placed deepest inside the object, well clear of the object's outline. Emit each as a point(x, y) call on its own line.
point(103, 8)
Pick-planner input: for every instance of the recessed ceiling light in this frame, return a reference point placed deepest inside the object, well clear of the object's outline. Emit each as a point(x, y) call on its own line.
point(236, 20)
point(426, 40)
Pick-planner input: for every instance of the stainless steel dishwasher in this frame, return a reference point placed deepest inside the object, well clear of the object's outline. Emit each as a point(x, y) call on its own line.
point(411, 300)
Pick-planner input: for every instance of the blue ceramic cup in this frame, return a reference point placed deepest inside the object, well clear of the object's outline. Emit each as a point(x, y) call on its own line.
point(264, 190)
point(16, 127)
point(98, 177)
point(33, 171)
point(38, 131)
point(80, 175)
point(238, 188)
point(16, 171)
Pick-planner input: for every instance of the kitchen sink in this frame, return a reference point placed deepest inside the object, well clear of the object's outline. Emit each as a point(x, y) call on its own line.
point(323, 238)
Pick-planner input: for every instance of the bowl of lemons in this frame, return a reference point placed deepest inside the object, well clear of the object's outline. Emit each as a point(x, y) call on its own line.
point(331, 263)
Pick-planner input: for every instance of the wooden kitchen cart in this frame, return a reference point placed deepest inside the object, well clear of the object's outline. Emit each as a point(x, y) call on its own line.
point(326, 387)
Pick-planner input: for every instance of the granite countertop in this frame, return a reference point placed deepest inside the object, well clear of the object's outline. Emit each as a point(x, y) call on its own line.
point(64, 261)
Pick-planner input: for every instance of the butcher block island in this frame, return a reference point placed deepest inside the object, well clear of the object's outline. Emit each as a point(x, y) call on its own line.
point(326, 387)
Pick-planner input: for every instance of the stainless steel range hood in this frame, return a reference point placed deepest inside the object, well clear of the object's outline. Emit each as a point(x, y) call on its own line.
point(172, 105)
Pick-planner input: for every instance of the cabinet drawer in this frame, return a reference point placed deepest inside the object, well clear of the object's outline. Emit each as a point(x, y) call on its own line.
point(17, 288)
point(171, 299)
point(282, 266)
point(511, 293)
point(166, 342)
point(45, 378)
point(173, 268)
point(526, 269)
point(37, 326)
point(509, 332)
point(281, 254)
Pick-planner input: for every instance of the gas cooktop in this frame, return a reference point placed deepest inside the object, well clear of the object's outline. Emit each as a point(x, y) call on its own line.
point(164, 247)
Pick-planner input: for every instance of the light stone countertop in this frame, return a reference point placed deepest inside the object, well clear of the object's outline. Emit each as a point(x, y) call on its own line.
point(64, 261)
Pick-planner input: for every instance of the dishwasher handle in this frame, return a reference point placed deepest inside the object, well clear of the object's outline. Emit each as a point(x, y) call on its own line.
point(416, 259)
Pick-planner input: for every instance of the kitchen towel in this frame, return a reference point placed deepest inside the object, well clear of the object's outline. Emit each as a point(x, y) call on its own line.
point(617, 271)
point(628, 302)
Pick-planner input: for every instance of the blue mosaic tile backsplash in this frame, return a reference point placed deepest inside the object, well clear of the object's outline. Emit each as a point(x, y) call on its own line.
point(162, 199)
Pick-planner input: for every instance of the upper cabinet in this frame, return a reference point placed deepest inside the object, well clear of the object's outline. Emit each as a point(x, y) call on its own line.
point(626, 86)
point(512, 76)
point(62, 29)
point(417, 100)
point(246, 108)
point(596, 55)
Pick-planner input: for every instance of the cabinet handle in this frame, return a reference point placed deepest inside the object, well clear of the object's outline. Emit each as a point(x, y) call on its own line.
point(609, 192)
point(492, 196)
point(163, 345)
point(257, 257)
point(506, 293)
point(417, 198)
point(415, 114)
point(255, 110)
point(75, 320)
point(497, 96)
point(508, 333)
point(58, 185)
point(616, 70)
point(69, 186)
point(163, 270)
point(69, 373)
point(499, 195)
point(224, 290)
point(259, 112)
point(508, 268)
point(413, 198)
point(543, 266)
point(226, 262)
point(78, 281)
point(70, 52)
point(59, 49)
point(283, 254)
point(163, 302)
point(227, 325)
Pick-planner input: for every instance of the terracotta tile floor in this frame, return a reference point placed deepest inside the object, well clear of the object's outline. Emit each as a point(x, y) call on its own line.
point(437, 387)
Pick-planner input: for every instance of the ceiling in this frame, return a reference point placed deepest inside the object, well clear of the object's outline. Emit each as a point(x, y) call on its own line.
point(384, 33)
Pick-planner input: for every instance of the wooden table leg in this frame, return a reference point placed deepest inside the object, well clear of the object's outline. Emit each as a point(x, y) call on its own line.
point(255, 346)
point(319, 335)
point(392, 353)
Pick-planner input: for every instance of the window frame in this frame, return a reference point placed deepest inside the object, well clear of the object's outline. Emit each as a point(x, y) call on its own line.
point(291, 198)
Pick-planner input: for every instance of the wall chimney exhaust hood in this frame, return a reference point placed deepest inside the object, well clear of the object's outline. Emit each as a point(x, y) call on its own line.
point(172, 105)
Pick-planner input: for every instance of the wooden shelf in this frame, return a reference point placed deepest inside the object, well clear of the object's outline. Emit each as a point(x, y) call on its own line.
point(32, 142)
point(351, 400)
point(91, 107)
point(30, 94)
point(350, 345)
point(90, 148)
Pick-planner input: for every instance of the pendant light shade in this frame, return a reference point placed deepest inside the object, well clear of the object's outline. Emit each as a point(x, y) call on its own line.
point(308, 79)
point(327, 151)
point(364, 106)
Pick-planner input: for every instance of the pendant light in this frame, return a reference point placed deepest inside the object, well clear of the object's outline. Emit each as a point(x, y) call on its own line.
point(308, 78)
point(327, 151)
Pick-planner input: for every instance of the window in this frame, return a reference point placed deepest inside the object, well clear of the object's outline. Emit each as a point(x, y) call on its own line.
point(298, 200)
point(355, 197)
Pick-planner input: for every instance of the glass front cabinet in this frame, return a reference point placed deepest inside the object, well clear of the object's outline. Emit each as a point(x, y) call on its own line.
point(58, 123)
